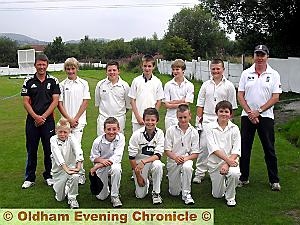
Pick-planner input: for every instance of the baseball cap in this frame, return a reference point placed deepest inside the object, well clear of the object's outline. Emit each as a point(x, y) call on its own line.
point(261, 48)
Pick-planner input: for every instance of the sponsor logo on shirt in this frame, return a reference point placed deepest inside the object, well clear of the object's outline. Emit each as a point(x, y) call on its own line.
point(250, 78)
point(33, 86)
point(148, 150)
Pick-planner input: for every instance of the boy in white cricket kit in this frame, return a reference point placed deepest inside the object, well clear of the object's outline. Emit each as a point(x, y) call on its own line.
point(145, 148)
point(145, 91)
point(73, 102)
point(67, 157)
point(106, 154)
point(177, 91)
point(224, 149)
point(214, 90)
point(111, 97)
point(181, 147)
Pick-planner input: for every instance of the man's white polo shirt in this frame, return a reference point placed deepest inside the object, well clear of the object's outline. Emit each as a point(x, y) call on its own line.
point(258, 90)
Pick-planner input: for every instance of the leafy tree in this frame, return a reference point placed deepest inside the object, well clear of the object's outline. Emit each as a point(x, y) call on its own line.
point(72, 50)
point(198, 27)
point(87, 49)
point(262, 21)
point(56, 51)
point(8, 52)
point(146, 46)
point(176, 48)
point(117, 49)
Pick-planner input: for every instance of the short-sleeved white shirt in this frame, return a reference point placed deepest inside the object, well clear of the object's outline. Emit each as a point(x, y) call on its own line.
point(146, 93)
point(173, 91)
point(112, 99)
point(210, 94)
point(181, 143)
point(258, 90)
point(227, 140)
point(140, 148)
point(66, 152)
point(108, 150)
point(73, 92)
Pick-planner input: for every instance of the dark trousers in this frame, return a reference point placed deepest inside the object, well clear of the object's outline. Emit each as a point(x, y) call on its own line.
point(33, 136)
point(265, 130)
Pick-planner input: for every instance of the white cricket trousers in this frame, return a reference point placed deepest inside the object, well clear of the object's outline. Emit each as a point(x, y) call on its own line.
point(170, 121)
point(180, 177)
point(78, 132)
point(115, 172)
point(61, 180)
point(201, 163)
point(225, 184)
point(156, 170)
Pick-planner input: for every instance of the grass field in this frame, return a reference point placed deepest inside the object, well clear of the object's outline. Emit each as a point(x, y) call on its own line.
point(256, 203)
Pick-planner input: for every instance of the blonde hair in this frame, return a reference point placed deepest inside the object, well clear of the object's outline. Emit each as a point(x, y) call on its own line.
point(71, 62)
point(178, 63)
point(63, 124)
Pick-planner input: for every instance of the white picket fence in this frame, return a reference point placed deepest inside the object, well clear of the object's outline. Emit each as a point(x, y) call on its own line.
point(289, 70)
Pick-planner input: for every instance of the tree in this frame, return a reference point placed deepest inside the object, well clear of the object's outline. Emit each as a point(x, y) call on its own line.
point(8, 52)
point(56, 51)
point(262, 21)
point(117, 49)
point(198, 27)
point(176, 48)
point(146, 46)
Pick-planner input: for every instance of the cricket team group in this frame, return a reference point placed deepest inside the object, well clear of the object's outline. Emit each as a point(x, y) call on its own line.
point(217, 146)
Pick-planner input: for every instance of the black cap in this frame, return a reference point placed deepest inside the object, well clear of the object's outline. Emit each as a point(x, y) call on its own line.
point(96, 184)
point(261, 48)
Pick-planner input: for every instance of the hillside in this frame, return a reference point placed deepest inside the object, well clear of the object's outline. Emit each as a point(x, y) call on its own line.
point(23, 39)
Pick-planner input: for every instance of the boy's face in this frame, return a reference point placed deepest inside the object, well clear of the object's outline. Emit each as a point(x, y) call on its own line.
point(71, 72)
point(216, 70)
point(112, 73)
point(147, 68)
point(223, 115)
point(111, 131)
point(62, 133)
point(177, 72)
point(184, 118)
point(150, 122)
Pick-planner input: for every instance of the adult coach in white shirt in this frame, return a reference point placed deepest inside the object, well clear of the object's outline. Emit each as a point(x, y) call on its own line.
point(111, 96)
point(73, 102)
point(258, 92)
point(216, 89)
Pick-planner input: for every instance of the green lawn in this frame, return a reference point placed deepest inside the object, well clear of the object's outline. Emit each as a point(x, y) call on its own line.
point(256, 204)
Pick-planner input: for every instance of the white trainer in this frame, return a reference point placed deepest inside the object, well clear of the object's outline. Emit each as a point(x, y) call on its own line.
point(116, 202)
point(50, 182)
point(188, 200)
point(27, 184)
point(231, 203)
point(73, 203)
point(197, 180)
point(82, 179)
point(275, 187)
point(156, 199)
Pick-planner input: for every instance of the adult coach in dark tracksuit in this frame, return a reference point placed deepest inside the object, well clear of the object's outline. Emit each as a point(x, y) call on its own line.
point(40, 97)
point(258, 92)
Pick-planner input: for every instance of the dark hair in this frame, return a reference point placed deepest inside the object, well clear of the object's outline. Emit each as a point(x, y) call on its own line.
point(151, 111)
point(41, 57)
point(223, 105)
point(111, 120)
point(182, 108)
point(148, 58)
point(113, 63)
point(217, 61)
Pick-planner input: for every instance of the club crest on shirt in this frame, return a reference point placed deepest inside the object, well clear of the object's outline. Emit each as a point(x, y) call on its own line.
point(24, 90)
point(33, 86)
point(267, 79)
point(48, 85)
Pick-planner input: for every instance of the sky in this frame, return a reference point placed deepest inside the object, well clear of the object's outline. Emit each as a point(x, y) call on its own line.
point(73, 19)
